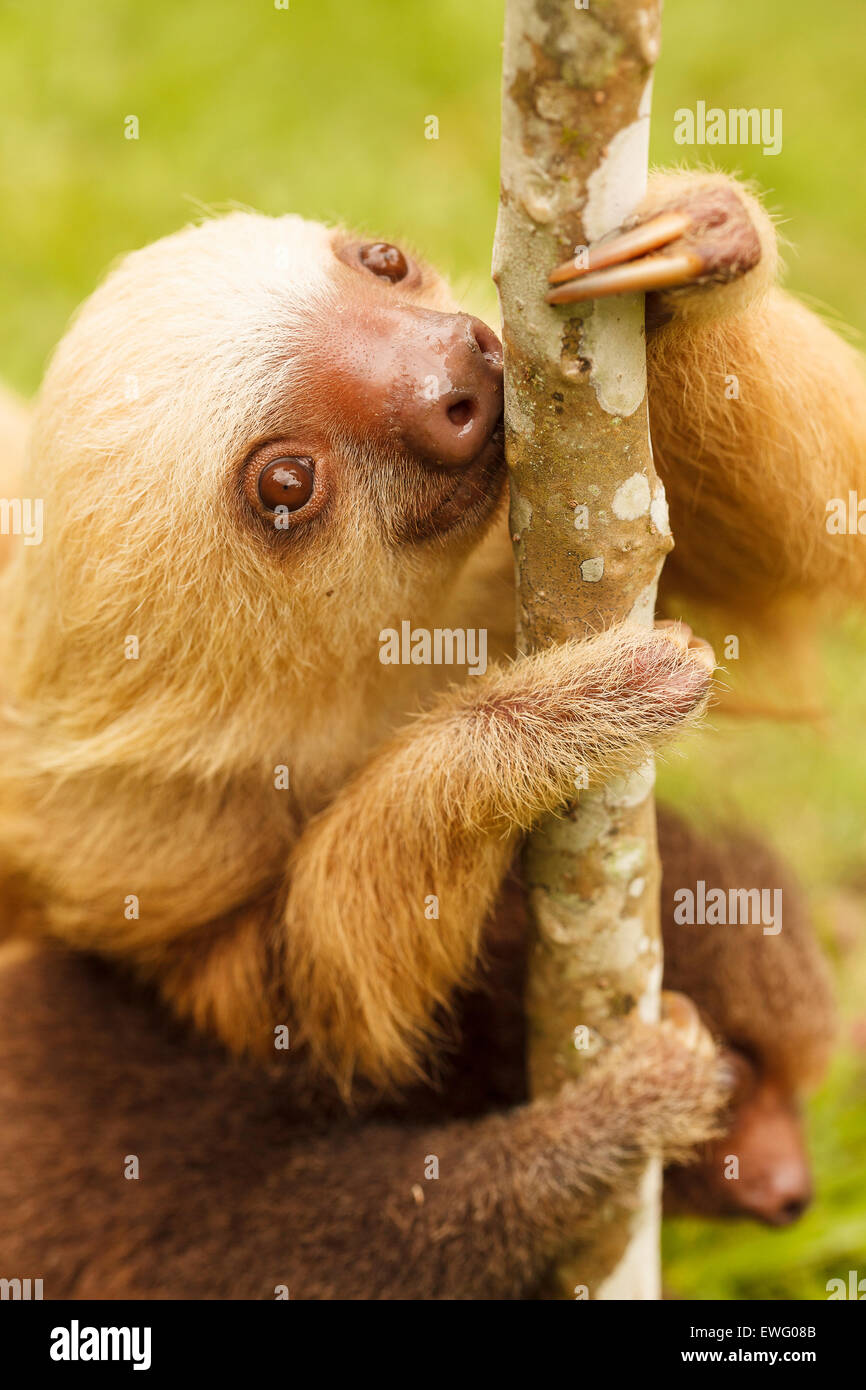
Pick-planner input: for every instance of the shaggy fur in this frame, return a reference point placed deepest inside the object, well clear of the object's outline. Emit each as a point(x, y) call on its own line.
point(242, 1190)
point(252, 1178)
point(769, 1000)
point(728, 969)
point(155, 776)
point(748, 479)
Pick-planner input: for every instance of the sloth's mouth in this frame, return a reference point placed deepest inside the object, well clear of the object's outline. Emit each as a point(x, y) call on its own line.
point(473, 494)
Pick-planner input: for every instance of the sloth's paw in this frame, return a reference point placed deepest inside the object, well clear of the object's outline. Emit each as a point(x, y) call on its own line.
point(663, 1089)
point(702, 235)
point(656, 677)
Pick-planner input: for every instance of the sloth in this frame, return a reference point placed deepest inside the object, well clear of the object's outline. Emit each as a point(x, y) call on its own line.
point(768, 1000)
point(262, 443)
point(251, 1183)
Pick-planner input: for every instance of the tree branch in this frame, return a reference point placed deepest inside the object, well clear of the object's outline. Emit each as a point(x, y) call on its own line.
point(590, 531)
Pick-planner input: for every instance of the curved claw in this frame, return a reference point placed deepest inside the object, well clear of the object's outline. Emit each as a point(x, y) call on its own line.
point(619, 264)
point(649, 273)
point(625, 246)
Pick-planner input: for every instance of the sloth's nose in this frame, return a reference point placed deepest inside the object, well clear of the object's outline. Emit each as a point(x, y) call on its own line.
point(780, 1195)
point(454, 404)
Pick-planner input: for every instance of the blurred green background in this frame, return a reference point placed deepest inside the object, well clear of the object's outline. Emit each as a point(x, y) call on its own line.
point(320, 108)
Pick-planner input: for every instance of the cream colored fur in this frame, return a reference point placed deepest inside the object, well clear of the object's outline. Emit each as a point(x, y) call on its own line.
point(154, 776)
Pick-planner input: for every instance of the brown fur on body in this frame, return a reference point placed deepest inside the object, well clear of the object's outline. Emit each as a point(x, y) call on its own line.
point(252, 1178)
point(242, 1189)
point(770, 1002)
point(769, 994)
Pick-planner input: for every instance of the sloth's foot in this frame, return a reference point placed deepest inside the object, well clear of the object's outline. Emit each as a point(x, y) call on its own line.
point(702, 237)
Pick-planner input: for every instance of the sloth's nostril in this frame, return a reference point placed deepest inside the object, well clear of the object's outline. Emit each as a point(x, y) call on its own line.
point(461, 412)
point(792, 1210)
point(451, 427)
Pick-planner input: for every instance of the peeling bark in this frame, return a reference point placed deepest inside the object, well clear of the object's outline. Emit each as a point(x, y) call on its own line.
point(590, 530)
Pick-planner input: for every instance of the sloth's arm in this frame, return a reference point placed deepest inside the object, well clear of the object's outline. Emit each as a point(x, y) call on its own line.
point(758, 419)
point(240, 1193)
point(514, 1189)
point(757, 408)
point(387, 890)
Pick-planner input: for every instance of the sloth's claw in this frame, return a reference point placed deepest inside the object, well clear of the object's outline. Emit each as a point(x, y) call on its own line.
point(708, 239)
point(648, 273)
point(624, 246)
point(618, 265)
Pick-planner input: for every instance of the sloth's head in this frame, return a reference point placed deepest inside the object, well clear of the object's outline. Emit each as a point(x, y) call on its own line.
point(261, 422)
point(279, 381)
point(771, 1181)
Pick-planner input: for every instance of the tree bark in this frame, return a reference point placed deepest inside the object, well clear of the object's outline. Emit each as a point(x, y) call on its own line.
point(590, 531)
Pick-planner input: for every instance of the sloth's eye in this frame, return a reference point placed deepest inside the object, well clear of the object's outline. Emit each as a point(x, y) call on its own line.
point(388, 262)
point(286, 482)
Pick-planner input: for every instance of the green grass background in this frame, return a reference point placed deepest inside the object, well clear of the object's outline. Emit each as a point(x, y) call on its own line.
point(320, 109)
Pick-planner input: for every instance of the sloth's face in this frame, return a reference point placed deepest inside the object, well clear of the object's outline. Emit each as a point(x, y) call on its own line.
point(304, 369)
point(400, 400)
point(263, 414)
point(765, 1132)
